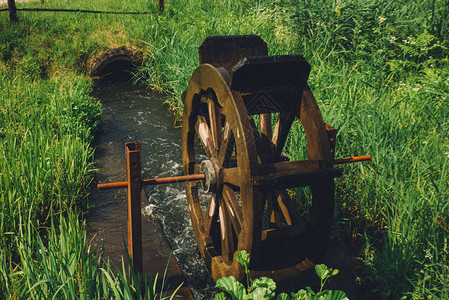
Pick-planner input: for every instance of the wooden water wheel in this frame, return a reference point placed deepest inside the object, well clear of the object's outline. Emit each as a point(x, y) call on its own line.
point(238, 110)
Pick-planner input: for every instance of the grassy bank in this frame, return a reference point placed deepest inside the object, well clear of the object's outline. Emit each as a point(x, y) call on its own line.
point(47, 119)
point(379, 72)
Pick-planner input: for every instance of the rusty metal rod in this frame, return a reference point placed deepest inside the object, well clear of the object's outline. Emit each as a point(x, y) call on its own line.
point(195, 177)
point(348, 160)
point(154, 181)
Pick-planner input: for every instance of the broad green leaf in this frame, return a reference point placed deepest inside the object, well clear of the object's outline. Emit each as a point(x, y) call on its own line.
point(220, 296)
point(322, 271)
point(264, 282)
point(243, 258)
point(301, 295)
point(283, 296)
point(260, 293)
point(231, 286)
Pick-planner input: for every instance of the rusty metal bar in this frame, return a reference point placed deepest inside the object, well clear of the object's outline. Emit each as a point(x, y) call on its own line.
point(153, 181)
point(348, 160)
point(112, 185)
point(195, 177)
point(165, 180)
point(133, 172)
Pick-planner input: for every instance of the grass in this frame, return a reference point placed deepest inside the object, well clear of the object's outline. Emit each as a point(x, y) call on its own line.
point(379, 72)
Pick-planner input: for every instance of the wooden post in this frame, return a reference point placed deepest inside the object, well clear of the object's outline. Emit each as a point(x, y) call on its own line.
point(12, 11)
point(134, 178)
point(161, 5)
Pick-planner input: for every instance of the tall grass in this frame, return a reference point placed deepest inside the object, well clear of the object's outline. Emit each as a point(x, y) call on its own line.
point(61, 268)
point(47, 120)
point(382, 81)
point(379, 72)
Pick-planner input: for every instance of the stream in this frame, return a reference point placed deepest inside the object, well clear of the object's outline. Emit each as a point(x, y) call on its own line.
point(135, 114)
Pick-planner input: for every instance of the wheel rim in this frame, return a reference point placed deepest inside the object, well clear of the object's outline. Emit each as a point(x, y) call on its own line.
point(226, 224)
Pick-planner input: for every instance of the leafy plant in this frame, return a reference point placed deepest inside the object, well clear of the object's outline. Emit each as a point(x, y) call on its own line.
point(263, 288)
point(260, 288)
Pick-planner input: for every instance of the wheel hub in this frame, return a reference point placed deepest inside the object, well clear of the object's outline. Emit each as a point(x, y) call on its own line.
point(210, 176)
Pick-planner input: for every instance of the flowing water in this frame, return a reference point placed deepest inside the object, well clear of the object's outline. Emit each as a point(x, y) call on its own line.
point(135, 114)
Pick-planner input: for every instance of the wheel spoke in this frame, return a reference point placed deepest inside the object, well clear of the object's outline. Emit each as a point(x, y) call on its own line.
point(271, 211)
point(211, 214)
point(265, 125)
point(205, 136)
point(226, 145)
point(290, 167)
point(281, 130)
point(231, 176)
point(234, 208)
point(275, 216)
point(227, 239)
point(264, 145)
point(288, 208)
point(215, 122)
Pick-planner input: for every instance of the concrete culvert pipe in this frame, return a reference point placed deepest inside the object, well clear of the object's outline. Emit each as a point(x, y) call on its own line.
point(115, 64)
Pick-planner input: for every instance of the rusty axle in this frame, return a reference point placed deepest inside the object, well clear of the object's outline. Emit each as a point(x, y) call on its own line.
point(195, 177)
point(153, 181)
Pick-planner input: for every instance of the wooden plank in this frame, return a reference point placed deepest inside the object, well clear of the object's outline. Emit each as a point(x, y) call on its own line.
point(133, 172)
